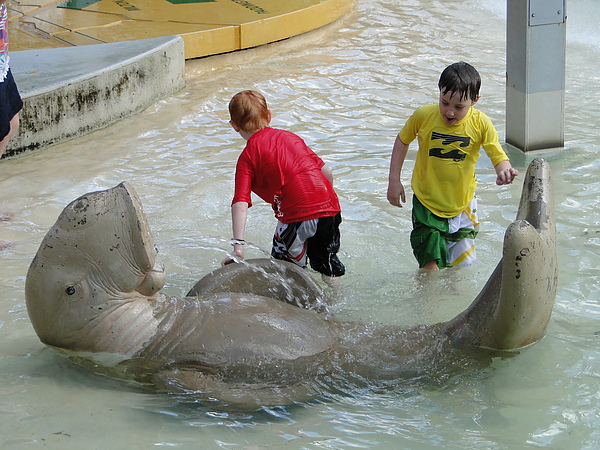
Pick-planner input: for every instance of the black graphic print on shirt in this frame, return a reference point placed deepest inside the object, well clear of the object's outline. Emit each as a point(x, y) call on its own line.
point(449, 140)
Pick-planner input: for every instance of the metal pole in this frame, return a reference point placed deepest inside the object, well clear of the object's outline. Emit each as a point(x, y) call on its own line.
point(535, 73)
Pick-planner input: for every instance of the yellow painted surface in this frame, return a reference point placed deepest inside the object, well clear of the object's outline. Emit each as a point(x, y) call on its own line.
point(292, 23)
point(207, 27)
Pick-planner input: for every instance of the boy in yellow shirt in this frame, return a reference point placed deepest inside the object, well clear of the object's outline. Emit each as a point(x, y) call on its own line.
point(450, 135)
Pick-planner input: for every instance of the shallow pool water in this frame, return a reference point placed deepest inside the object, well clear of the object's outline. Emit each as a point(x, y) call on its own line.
point(347, 89)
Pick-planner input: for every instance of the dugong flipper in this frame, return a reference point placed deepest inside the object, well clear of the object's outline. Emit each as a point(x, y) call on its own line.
point(514, 307)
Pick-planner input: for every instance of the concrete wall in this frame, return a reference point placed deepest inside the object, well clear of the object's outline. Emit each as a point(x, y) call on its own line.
point(68, 92)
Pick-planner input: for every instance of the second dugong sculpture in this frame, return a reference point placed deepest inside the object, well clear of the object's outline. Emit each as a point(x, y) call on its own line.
point(93, 293)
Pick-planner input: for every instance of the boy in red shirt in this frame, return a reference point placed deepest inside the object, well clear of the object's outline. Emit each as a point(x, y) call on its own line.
point(281, 169)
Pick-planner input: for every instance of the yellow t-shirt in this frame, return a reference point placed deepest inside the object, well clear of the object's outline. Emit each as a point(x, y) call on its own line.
point(444, 175)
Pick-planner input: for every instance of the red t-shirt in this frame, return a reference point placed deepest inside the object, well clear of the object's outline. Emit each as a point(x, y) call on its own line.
point(281, 169)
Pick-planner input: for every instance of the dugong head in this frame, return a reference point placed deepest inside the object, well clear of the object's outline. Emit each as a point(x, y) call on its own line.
point(88, 262)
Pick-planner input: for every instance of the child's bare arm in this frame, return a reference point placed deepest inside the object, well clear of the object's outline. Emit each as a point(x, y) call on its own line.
point(239, 215)
point(395, 192)
point(327, 172)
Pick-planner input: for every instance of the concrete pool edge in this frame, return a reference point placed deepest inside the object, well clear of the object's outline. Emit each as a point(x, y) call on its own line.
point(67, 94)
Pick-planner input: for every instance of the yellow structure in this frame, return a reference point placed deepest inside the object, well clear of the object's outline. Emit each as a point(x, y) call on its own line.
point(208, 27)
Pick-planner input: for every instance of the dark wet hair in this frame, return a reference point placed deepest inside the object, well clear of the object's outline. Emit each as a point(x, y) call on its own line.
point(249, 111)
point(461, 78)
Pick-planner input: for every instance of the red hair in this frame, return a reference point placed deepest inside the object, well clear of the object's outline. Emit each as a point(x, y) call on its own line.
point(249, 111)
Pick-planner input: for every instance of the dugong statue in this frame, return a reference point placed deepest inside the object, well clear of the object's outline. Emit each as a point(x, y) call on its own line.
point(257, 333)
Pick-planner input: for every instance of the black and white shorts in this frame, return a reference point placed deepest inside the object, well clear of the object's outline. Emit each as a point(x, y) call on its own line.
point(317, 240)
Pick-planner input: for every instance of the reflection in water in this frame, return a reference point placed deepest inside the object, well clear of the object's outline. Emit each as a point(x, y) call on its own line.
point(347, 90)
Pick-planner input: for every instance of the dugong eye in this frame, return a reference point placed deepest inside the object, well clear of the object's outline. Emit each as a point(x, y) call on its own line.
point(70, 290)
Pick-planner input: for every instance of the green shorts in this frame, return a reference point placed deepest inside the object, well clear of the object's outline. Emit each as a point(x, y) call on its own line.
point(449, 241)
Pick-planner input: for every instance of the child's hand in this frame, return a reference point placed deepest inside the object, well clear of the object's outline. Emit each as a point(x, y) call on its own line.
point(395, 193)
point(226, 261)
point(506, 176)
point(236, 255)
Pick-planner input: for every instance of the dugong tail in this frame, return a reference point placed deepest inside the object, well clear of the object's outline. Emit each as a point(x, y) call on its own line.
point(514, 307)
